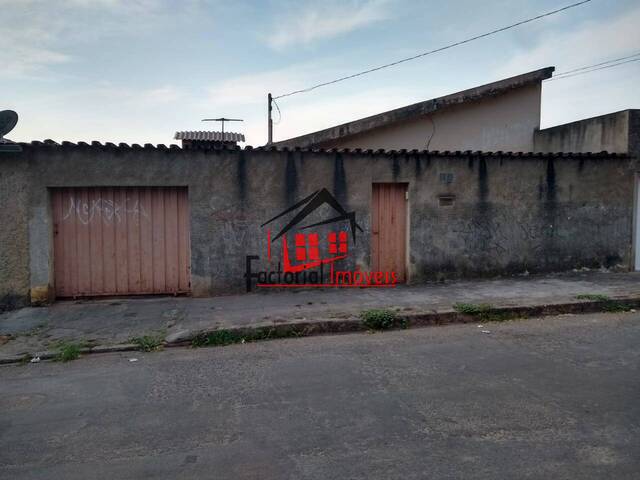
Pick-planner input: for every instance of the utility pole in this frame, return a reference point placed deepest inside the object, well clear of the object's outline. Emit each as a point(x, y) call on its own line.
point(270, 123)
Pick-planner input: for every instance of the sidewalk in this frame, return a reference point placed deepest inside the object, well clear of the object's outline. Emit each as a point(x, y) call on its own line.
point(109, 322)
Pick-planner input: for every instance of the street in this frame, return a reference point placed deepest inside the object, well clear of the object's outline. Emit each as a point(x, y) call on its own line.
point(542, 398)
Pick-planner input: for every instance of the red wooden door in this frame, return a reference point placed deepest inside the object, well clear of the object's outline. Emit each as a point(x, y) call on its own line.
point(120, 240)
point(389, 228)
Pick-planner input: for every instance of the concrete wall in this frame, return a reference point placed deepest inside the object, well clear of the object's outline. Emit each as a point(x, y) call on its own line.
point(634, 133)
point(14, 243)
point(511, 213)
point(502, 123)
point(608, 133)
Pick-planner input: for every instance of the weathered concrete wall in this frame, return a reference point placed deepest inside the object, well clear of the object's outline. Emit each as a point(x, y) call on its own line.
point(14, 244)
point(608, 133)
point(634, 133)
point(511, 213)
point(502, 123)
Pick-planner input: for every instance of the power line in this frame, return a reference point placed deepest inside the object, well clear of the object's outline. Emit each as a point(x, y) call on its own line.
point(597, 64)
point(430, 52)
point(279, 112)
point(583, 70)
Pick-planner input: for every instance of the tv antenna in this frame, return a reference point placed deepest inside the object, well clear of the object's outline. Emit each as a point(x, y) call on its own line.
point(222, 120)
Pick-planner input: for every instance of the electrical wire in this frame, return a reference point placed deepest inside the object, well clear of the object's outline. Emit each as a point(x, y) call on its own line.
point(436, 50)
point(597, 64)
point(273, 100)
point(564, 75)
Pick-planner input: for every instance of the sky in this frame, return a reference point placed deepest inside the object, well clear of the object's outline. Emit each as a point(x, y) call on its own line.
point(136, 71)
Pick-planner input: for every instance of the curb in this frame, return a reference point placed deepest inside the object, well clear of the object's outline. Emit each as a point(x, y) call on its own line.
point(263, 332)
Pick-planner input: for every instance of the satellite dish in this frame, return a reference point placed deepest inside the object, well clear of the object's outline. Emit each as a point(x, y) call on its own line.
point(8, 120)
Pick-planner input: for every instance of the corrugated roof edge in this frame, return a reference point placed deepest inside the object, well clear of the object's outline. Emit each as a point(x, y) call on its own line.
point(343, 151)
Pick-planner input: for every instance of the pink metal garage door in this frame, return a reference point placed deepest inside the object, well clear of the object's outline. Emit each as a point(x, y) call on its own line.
point(121, 240)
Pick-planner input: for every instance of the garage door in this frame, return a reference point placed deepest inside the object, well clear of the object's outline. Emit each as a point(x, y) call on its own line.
point(121, 241)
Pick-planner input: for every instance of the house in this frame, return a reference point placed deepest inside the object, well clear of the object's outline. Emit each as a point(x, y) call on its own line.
point(502, 115)
point(87, 220)
point(499, 116)
point(617, 132)
point(464, 185)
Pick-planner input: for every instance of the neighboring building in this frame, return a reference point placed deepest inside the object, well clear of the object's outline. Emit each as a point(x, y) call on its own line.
point(499, 116)
point(208, 139)
point(615, 132)
point(89, 220)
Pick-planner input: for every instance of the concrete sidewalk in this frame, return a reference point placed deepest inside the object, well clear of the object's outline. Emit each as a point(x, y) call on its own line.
point(110, 322)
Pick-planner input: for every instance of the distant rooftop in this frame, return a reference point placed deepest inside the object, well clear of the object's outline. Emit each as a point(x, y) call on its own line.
point(317, 139)
point(7, 145)
point(210, 136)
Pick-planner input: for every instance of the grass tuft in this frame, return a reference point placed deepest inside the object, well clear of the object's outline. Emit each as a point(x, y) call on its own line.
point(381, 319)
point(595, 297)
point(230, 337)
point(149, 343)
point(485, 312)
point(608, 304)
point(472, 308)
point(68, 352)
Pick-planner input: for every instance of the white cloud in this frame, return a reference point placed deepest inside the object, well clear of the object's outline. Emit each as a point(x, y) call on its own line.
point(322, 20)
point(161, 96)
point(590, 43)
point(594, 93)
point(28, 60)
point(39, 33)
point(252, 88)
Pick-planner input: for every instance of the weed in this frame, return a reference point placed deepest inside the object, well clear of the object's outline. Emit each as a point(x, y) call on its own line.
point(26, 358)
point(68, 352)
point(219, 337)
point(376, 319)
point(595, 297)
point(472, 308)
point(484, 312)
point(608, 304)
point(613, 306)
point(230, 337)
point(148, 343)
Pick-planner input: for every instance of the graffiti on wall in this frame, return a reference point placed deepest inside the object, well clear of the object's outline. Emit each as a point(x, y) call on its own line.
point(106, 209)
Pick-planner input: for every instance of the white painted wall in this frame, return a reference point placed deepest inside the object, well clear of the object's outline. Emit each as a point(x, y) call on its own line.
point(506, 122)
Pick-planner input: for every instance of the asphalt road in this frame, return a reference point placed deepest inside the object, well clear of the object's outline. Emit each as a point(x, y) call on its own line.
point(542, 398)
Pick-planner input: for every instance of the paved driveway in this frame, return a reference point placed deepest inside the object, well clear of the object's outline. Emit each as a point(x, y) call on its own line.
point(553, 398)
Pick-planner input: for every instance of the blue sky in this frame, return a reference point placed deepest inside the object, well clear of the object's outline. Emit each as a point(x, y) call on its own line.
point(138, 70)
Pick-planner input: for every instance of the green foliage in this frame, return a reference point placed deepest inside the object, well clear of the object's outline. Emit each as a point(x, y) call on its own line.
point(595, 297)
point(613, 306)
point(68, 352)
point(217, 338)
point(381, 319)
point(230, 337)
point(149, 343)
point(26, 358)
point(472, 308)
point(608, 304)
point(484, 312)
